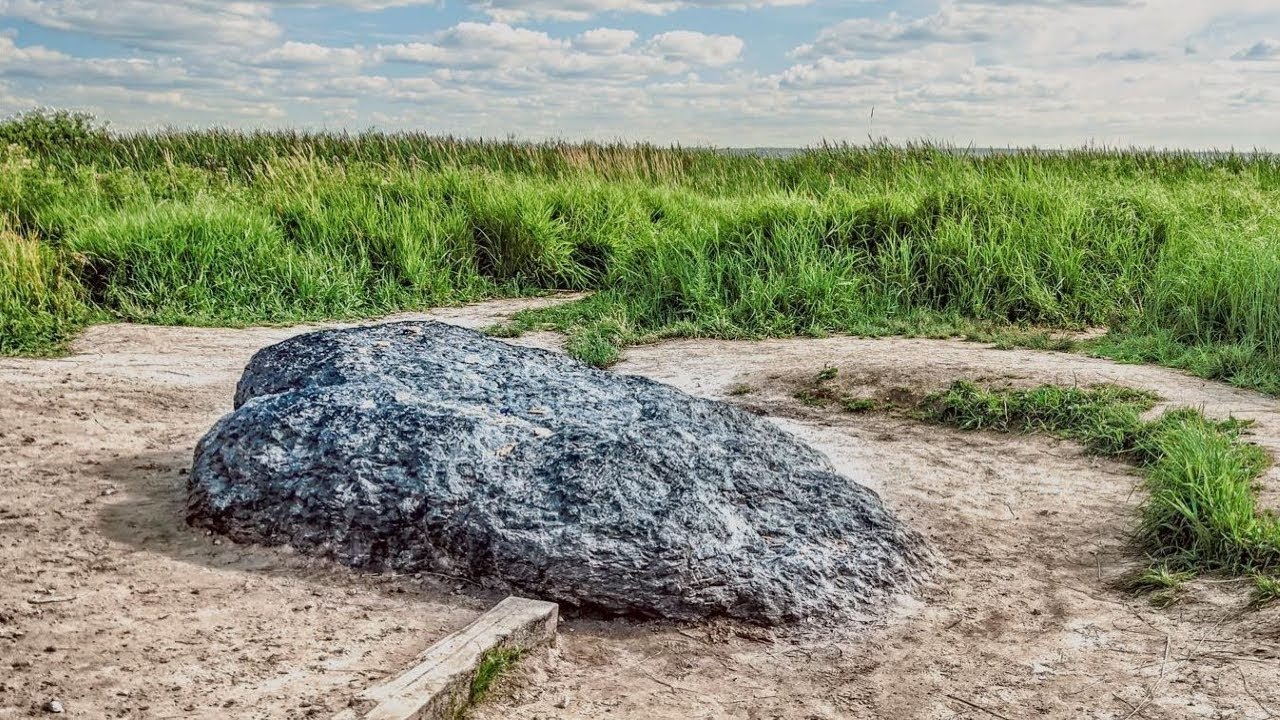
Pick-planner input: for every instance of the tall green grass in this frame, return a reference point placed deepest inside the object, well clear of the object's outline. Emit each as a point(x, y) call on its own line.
point(1201, 512)
point(41, 305)
point(1177, 253)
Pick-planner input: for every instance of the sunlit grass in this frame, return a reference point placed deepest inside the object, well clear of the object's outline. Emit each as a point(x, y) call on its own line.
point(41, 305)
point(1177, 253)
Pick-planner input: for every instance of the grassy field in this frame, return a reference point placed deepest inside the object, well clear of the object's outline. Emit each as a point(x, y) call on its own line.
point(1177, 254)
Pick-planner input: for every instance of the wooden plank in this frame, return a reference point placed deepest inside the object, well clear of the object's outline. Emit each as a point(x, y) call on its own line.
point(439, 684)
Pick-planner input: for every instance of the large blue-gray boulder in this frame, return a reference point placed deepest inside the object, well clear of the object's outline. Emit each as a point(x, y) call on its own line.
point(423, 446)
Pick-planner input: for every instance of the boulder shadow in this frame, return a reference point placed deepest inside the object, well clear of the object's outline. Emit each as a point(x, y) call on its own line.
point(150, 515)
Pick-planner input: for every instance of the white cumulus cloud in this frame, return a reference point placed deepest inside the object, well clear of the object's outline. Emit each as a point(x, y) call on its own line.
point(605, 40)
point(697, 48)
point(153, 24)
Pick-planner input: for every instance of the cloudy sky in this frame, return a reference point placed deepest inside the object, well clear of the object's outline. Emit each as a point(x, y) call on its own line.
point(1188, 73)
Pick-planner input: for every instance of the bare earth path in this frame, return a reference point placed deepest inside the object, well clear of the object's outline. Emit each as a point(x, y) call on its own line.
point(109, 603)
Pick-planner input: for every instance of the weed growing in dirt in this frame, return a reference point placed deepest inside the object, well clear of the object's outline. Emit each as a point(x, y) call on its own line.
point(811, 398)
point(821, 392)
point(502, 330)
point(1266, 590)
point(858, 404)
point(594, 346)
point(492, 665)
point(1164, 584)
point(1201, 513)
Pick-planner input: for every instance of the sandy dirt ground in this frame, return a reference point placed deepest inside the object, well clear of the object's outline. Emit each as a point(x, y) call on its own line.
point(110, 604)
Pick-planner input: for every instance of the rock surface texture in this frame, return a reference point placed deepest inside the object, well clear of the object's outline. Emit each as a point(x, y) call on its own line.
point(423, 446)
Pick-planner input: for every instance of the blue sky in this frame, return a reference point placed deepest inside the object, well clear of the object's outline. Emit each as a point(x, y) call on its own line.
point(1170, 73)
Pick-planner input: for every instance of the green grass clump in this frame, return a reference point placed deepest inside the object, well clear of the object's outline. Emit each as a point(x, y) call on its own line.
point(503, 330)
point(858, 404)
point(41, 305)
point(1106, 418)
point(594, 346)
point(812, 398)
point(1160, 577)
point(1266, 590)
point(1164, 584)
point(492, 665)
point(1202, 509)
point(1201, 513)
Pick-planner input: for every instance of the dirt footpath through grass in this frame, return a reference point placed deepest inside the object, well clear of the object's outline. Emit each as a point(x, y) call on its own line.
point(113, 606)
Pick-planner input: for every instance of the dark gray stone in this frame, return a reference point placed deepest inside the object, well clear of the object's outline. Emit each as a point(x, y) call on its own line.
point(423, 446)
